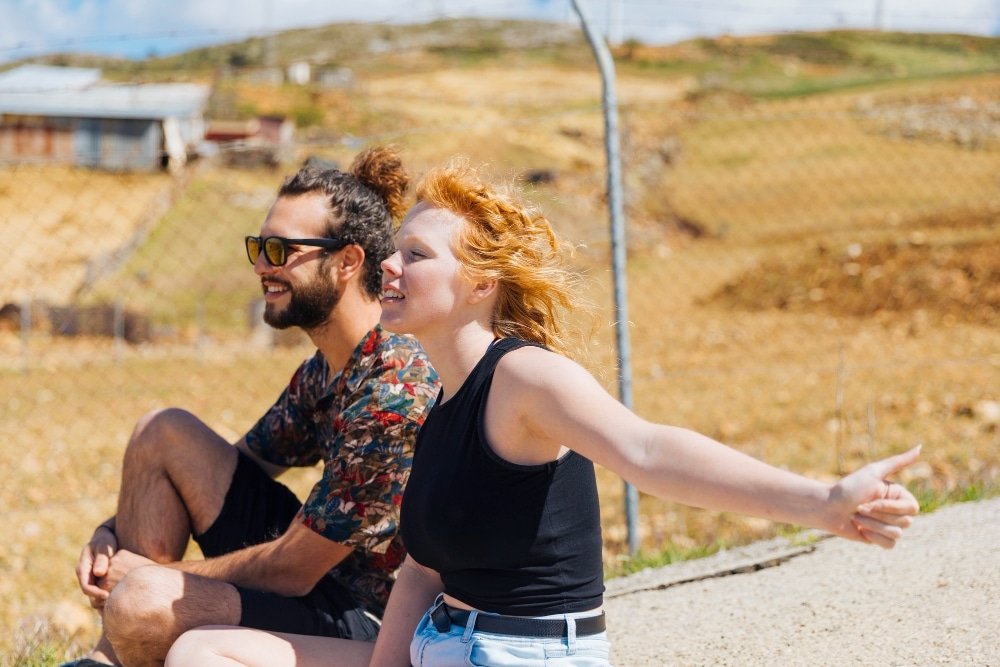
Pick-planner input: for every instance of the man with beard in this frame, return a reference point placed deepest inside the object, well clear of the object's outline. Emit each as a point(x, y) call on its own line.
point(322, 567)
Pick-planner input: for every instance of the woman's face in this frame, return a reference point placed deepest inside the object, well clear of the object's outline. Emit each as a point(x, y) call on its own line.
point(423, 288)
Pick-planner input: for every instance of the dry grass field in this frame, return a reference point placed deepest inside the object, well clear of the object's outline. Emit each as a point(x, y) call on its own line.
point(811, 280)
point(71, 228)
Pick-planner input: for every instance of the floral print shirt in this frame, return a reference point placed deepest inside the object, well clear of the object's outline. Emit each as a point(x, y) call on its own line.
point(361, 423)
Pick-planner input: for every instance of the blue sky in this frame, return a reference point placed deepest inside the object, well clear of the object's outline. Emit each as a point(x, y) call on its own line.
point(137, 28)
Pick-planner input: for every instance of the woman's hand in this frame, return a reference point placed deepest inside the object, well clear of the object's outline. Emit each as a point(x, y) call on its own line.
point(870, 507)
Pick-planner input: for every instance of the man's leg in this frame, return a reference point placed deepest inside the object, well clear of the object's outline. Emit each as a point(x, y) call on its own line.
point(175, 475)
point(151, 606)
point(154, 605)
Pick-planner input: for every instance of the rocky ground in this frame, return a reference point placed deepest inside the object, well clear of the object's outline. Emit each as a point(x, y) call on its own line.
point(933, 600)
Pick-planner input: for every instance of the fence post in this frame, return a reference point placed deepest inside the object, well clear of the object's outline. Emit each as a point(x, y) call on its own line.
point(201, 338)
point(839, 411)
point(25, 332)
point(618, 259)
point(118, 326)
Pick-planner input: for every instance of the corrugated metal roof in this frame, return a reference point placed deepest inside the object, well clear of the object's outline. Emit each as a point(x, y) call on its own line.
point(42, 78)
point(161, 100)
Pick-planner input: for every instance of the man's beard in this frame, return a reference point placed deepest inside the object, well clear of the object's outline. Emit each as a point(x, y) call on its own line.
point(310, 305)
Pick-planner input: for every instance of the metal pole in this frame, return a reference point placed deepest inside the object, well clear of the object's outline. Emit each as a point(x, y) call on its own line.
point(269, 32)
point(618, 259)
point(25, 331)
point(118, 326)
point(879, 15)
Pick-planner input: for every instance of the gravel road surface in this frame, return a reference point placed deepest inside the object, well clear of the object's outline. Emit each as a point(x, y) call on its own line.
point(933, 600)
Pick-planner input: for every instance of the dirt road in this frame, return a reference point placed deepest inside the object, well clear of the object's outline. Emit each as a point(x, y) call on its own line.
point(933, 600)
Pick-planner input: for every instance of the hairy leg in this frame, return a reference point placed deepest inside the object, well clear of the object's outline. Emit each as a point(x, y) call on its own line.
point(221, 646)
point(154, 605)
point(175, 476)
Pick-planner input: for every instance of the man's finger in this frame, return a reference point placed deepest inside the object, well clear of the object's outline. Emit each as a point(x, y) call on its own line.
point(91, 589)
point(100, 566)
point(85, 562)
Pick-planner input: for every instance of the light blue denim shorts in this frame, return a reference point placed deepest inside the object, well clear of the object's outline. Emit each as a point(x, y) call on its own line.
point(465, 646)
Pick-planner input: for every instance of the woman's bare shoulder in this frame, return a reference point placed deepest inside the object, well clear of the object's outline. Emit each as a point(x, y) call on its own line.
point(536, 368)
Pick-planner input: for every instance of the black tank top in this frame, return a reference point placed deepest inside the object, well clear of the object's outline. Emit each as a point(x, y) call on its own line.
point(523, 540)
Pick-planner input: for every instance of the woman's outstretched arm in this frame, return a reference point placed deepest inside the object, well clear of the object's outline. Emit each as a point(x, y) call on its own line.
point(547, 401)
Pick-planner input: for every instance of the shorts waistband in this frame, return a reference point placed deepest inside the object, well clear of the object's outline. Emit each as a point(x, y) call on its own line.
point(444, 617)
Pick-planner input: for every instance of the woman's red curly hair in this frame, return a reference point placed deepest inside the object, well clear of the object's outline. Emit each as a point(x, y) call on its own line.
point(507, 241)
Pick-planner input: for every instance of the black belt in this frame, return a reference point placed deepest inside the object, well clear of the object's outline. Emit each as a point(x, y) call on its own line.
point(444, 617)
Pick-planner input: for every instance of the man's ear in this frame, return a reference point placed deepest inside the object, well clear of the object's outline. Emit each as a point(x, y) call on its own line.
point(351, 261)
point(482, 290)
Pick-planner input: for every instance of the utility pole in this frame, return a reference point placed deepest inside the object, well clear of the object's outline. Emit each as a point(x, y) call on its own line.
point(618, 257)
point(269, 33)
point(879, 15)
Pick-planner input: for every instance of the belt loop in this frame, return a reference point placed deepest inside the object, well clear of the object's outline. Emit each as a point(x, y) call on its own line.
point(439, 615)
point(570, 635)
point(470, 625)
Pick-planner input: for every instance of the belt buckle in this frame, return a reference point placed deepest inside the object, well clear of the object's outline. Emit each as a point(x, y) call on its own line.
point(439, 616)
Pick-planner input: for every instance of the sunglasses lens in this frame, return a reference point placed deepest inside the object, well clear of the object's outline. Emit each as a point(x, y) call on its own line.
point(253, 248)
point(274, 248)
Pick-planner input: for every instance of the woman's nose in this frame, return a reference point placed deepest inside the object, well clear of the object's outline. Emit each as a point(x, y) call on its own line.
point(389, 264)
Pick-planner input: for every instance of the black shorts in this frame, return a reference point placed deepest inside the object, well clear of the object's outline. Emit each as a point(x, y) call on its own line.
point(258, 509)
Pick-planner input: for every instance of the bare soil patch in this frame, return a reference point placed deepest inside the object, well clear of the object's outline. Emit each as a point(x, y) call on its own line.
point(956, 282)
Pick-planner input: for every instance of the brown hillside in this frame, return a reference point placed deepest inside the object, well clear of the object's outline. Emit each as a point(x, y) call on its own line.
point(956, 282)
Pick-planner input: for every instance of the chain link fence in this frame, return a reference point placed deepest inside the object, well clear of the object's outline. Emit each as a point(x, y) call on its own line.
point(814, 280)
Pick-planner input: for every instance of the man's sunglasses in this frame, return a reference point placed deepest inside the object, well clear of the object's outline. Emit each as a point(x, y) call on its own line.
point(276, 248)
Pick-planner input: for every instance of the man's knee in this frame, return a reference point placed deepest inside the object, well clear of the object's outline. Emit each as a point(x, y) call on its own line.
point(140, 606)
point(153, 605)
point(171, 435)
point(161, 426)
point(154, 431)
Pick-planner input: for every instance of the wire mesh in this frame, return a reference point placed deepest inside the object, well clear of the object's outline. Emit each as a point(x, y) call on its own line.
point(814, 279)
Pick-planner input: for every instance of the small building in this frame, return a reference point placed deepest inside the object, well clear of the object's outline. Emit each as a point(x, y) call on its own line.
point(337, 78)
point(299, 73)
point(69, 115)
point(265, 76)
point(262, 130)
point(261, 141)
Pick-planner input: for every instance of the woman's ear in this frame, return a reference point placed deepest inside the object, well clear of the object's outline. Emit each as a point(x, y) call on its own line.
point(482, 290)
